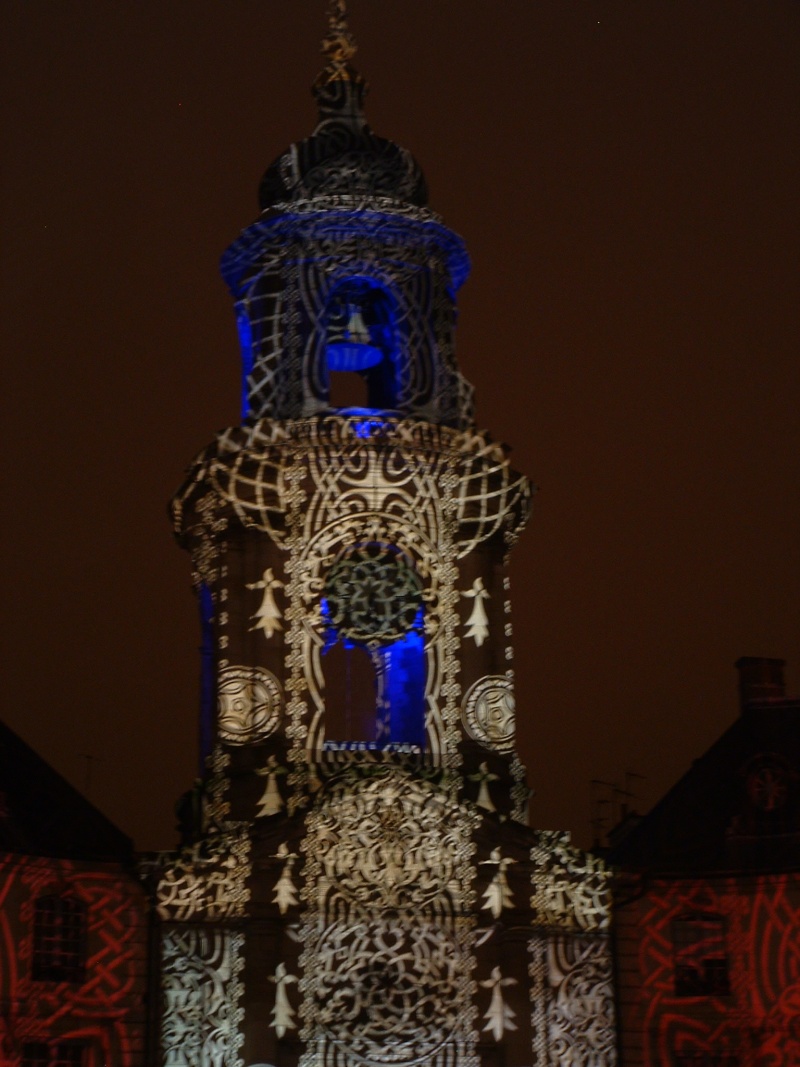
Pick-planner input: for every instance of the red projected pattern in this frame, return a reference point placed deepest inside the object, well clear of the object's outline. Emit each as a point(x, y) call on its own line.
point(758, 1022)
point(104, 1011)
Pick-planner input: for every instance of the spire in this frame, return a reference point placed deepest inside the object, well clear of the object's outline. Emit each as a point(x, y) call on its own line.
point(339, 89)
point(342, 155)
point(338, 44)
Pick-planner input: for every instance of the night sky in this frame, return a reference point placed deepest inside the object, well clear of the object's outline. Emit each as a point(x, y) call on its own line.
point(626, 177)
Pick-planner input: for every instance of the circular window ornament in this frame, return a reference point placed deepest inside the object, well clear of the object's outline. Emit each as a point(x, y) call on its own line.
point(250, 702)
point(488, 712)
point(372, 593)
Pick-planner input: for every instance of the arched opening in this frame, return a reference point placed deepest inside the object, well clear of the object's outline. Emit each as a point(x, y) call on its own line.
point(360, 346)
point(374, 662)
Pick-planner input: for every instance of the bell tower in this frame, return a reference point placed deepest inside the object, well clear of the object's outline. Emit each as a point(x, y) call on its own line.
point(357, 885)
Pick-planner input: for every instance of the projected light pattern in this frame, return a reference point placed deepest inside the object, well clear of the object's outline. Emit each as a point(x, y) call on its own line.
point(201, 988)
point(385, 934)
point(103, 1008)
point(754, 1014)
point(328, 499)
point(363, 891)
point(286, 269)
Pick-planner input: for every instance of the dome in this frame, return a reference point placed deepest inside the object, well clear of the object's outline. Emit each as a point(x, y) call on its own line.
point(343, 155)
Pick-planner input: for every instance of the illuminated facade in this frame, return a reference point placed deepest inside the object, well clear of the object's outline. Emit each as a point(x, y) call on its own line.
point(73, 920)
point(707, 913)
point(358, 885)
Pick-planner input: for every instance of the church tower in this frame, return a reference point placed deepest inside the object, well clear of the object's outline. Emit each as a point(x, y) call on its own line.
point(357, 885)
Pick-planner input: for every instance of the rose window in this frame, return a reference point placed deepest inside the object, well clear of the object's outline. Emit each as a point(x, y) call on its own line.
point(372, 594)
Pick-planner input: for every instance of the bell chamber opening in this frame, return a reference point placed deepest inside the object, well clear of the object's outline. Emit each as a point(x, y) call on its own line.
point(360, 346)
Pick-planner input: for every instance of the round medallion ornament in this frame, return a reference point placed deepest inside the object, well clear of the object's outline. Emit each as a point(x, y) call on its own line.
point(488, 712)
point(372, 593)
point(386, 989)
point(249, 703)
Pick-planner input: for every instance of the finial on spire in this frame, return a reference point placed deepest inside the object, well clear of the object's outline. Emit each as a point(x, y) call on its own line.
point(338, 45)
point(339, 89)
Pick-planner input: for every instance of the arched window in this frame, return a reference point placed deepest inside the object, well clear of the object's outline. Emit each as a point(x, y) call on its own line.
point(374, 661)
point(360, 346)
point(59, 939)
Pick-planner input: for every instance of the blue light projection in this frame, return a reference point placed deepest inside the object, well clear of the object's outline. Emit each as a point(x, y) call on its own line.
point(401, 666)
point(404, 666)
point(246, 345)
point(367, 423)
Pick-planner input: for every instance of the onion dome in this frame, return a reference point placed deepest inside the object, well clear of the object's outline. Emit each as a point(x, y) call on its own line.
point(343, 155)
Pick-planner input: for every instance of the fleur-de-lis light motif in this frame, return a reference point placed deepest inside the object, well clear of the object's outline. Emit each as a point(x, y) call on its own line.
point(499, 1015)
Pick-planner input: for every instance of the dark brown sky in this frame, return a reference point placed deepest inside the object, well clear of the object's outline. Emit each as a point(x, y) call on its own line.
point(626, 177)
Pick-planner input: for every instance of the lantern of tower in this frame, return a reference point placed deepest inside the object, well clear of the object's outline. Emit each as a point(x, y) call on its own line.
point(356, 882)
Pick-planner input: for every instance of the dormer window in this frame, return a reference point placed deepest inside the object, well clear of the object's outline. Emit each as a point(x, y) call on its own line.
point(360, 344)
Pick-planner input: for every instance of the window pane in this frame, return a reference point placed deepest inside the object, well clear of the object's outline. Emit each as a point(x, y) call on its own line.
point(59, 939)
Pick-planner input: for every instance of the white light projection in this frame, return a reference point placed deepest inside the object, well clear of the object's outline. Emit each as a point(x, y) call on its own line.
point(249, 704)
point(488, 713)
point(376, 890)
point(478, 622)
point(387, 931)
point(201, 987)
point(499, 1016)
point(268, 616)
point(498, 894)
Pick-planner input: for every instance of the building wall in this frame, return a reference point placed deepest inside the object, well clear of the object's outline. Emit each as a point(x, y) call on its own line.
point(96, 1018)
point(678, 1003)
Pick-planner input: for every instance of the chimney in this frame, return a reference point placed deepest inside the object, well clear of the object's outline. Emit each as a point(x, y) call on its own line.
point(760, 679)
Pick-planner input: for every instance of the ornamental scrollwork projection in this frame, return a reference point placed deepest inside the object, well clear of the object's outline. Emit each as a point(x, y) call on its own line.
point(387, 935)
point(207, 881)
point(250, 704)
point(571, 888)
point(570, 962)
point(201, 985)
point(581, 1008)
point(334, 493)
point(488, 712)
point(286, 268)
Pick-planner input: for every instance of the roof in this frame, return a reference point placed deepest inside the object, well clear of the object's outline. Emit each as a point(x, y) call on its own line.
point(42, 814)
point(737, 809)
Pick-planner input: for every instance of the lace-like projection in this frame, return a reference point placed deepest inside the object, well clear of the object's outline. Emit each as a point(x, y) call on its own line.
point(207, 881)
point(581, 1015)
point(387, 937)
point(572, 993)
point(250, 704)
point(363, 832)
point(201, 990)
point(571, 889)
point(318, 488)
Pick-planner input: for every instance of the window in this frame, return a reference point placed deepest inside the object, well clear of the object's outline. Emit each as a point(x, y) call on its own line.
point(701, 960)
point(63, 1054)
point(59, 939)
point(360, 346)
point(374, 660)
